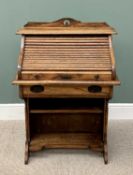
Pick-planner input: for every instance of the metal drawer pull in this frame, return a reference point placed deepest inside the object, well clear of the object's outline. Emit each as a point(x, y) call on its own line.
point(37, 88)
point(94, 89)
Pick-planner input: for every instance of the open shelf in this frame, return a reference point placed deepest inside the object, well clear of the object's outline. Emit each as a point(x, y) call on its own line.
point(66, 123)
point(65, 115)
point(92, 110)
point(66, 140)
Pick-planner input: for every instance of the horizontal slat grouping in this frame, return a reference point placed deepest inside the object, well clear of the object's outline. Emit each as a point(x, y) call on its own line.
point(66, 53)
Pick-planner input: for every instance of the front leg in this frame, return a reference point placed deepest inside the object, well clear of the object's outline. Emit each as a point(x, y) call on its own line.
point(105, 153)
point(105, 131)
point(26, 159)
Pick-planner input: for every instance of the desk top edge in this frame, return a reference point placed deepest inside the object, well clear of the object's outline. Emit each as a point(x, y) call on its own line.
point(66, 26)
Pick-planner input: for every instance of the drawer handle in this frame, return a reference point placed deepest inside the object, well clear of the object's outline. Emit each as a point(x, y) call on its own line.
point(65, 77)
point(37, 88)
point(94, 89)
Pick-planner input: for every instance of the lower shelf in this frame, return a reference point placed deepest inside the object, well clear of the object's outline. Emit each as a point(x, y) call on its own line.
point(84, 110)
point(66, 140)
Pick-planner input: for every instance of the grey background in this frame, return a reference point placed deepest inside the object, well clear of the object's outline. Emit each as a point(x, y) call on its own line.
point(14, 14)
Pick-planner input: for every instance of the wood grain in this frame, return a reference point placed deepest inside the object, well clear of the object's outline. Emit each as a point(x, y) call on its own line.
point(65, 75)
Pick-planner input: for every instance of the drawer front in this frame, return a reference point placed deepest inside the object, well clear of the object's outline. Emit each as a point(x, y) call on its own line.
point(66, 91)
point(85, 76)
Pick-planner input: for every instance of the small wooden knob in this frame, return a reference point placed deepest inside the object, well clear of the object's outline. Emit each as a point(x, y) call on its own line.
point(97, 77)
point(65, 77)
point(37, 76)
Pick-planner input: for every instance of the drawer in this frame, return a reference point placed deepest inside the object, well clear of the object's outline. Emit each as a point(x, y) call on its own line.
point(66, 91)
point(69, 75)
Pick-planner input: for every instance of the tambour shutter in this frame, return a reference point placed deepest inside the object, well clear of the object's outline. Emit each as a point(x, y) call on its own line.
point(66, 53)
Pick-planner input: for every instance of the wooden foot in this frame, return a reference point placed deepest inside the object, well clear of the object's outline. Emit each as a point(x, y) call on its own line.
point(105, 154)
point(26, 159)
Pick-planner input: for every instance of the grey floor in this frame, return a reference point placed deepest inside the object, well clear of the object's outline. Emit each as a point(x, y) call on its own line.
point(66, 162)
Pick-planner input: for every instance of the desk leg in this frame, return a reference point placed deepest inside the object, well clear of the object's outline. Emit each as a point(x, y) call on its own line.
point(27, 128)
point(105, 129)
point(26, 159)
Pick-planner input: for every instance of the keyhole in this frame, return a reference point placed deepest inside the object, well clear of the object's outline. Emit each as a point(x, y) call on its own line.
point(66, 22)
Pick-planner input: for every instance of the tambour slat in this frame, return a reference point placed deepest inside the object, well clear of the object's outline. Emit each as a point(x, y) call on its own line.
point(67, 65)
point(46, 56)
point(66, 69)
point(65, 41)
point(94, 52)
point(64, 61)
point(65, 47)
point(55, 54)
point(75, 52)
point(59, 38)
point(58, 66)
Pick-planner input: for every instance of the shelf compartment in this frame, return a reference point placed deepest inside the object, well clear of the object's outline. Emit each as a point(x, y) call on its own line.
point(66, 140)
point(65, 122)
